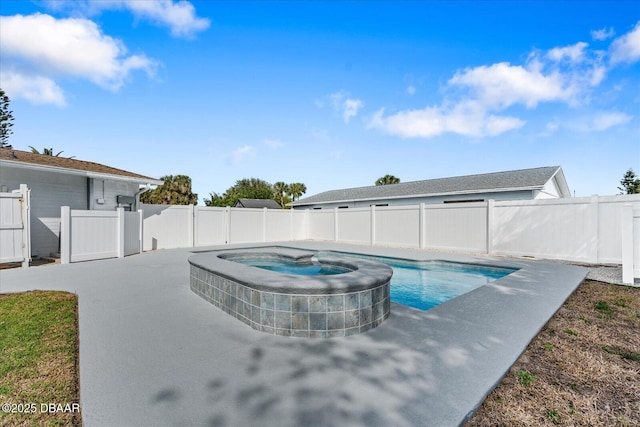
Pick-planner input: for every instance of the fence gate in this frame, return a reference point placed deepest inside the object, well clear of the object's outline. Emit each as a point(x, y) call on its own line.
point(132, 233)
point(15, 222)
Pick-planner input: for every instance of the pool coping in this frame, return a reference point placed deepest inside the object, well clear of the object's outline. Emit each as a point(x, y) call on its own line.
point(154, 353)
point(364, 273)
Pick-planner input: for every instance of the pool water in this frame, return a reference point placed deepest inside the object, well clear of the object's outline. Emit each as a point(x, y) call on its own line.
point(425, 287)
point(294, 267)
point(426, 284)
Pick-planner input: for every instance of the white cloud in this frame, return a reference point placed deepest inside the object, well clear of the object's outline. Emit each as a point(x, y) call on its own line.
point(626, 48)
point(597, 122)
point(598, 74)
point(574, 53)
point(603, 34)
point(605, 120)
point(411, 90)
point(350, 108)
point(468, 119)
point(38, 90)
point(179, 16)
point(495, 125)
point(242, 153)
point(344, 105)
point(42, 48)
point(476, 97)
point(502, 85)
point(273, 144)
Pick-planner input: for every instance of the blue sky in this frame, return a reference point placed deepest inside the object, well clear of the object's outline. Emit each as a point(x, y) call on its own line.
point(332, 94)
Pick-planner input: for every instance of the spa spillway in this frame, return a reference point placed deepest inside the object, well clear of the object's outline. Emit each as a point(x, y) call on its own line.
point(317, 298)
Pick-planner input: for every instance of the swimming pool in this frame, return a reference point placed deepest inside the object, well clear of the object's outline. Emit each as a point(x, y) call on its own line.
point(426, 284)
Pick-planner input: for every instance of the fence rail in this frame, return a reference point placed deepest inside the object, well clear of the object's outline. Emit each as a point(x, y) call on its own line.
point(169, 226)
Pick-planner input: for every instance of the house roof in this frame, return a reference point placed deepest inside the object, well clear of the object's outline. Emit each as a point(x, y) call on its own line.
point(523, 179)
point(64, 164)
point(258, 203)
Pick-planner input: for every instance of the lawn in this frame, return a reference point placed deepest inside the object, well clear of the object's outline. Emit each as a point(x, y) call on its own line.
point(583, 368)
point(39, 381)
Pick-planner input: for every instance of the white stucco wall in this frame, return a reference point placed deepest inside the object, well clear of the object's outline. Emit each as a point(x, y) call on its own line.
point(107, 192)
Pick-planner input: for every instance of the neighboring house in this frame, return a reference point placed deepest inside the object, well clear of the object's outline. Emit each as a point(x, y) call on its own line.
point(258, 203)
point(59, 181)
point(537, 183)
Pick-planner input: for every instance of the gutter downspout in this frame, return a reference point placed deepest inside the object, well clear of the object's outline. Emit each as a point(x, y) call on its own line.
point(140, 191)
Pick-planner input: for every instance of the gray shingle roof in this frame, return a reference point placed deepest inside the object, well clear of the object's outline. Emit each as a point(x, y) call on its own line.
point(498, 181)
point(258, 203)
point(17, 156)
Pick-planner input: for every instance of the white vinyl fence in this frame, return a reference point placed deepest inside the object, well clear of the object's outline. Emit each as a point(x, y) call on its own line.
point(167, 226)
point(590, 230)
point(90, 235)
point(15, 226)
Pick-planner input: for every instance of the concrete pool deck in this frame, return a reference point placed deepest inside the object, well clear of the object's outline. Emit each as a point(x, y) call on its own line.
point(154, 353)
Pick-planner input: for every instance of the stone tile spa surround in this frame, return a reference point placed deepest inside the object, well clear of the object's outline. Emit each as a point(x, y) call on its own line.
point(317, 306)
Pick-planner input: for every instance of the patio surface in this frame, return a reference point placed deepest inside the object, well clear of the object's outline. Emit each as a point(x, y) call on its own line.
point(154, 353)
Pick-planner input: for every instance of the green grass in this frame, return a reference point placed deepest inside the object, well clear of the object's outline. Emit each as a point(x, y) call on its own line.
point(38, 356)
point(622, 352)
point(604, 308)
point(525, 377)
point(553, 416)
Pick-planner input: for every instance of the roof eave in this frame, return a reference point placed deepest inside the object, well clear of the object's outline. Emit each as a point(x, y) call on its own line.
point(79, 172)
point(412, 196)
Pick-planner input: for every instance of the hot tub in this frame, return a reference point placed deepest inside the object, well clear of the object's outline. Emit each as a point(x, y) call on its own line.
point(353, 298)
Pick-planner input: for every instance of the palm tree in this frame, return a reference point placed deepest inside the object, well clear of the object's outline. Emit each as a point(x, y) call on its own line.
point(296, 190)
point(45, 151)
point(387, 179)
point(280, 191)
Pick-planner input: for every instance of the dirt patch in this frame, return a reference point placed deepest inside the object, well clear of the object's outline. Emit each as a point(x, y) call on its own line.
point(582, 369)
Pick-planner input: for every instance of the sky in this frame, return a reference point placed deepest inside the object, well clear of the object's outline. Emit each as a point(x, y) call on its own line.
point(332, 94)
